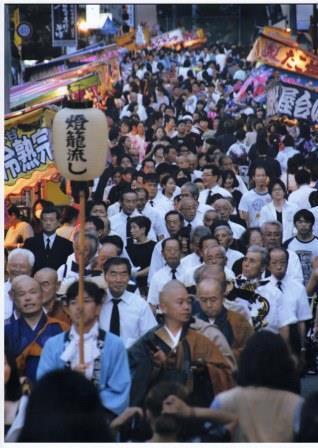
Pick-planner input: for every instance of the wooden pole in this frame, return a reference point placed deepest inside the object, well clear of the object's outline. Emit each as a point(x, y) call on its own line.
point(81, 276)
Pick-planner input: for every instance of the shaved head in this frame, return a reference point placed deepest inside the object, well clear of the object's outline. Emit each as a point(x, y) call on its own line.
point(48, 281)
point(170, 288)
point(47, 272)
point(209, 284)
point(211, 272)
point(22, 280)
point(27, 295)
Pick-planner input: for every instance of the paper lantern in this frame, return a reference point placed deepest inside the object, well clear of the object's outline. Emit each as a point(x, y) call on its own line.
point(80, 141)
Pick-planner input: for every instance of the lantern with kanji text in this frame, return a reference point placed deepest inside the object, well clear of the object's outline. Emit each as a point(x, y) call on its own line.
point(80, 141)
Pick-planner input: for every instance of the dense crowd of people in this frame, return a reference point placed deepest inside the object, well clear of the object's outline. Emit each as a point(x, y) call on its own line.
point(201, 271)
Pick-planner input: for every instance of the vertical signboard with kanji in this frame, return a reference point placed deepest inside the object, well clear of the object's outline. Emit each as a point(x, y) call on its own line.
point(27, 146)
point(64, 25)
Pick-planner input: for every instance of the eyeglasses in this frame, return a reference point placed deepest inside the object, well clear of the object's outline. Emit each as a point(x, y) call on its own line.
point(210, 300)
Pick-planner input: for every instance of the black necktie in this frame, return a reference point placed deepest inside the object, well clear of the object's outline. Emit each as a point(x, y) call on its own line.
point(75, 268)
point(173, 272)
point(128, 233)
point(209, 196)
point(47, 247)
point(114, 320)
point(189, 228)
point(279, 285)
point(151, 203)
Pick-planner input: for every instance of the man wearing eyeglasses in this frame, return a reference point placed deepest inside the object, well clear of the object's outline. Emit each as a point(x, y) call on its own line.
point(210, 177)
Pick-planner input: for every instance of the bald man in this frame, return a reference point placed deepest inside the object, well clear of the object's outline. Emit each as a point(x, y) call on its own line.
point(170, 352)
point(234, 326)
point(52, 306)
point(217, 273)
point(26, 336)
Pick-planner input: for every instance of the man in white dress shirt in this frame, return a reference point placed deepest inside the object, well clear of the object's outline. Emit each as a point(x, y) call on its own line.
point(272, 237)
point(188, 209)
point(300, 196)
point(171, 252)
point(174, 222)
point(212, 254)
point(151, 185)
point(120, 223)
point(262, 300)
point(191, 190)
point(225, 209)
point(210, 176)
point(295, 300)
point(194, 258)
point(124, 313)
point(224, 235)
point(286, 153)
point(145, 209)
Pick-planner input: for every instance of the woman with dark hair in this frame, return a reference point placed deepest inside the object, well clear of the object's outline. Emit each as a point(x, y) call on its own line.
point(65, 407)
point(164, 200)
point(264, 400)
point(279, 209)
point(68, 222)
point(230, 183)
point(139, 249)
point(15, 402)
point(184, 238)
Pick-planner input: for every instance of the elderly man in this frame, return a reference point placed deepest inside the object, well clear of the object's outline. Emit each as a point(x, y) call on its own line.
point(233, 325)
point(191, 190)
point(224, 235)
point(52, 306)
point(174, 352)
point(212, 254)
point(174, 222)
point(295, 299)
point(70, 270)
point(272, 233)
point(261, 299)
point(224, 209)
point(188, 209)
point(26, 336)
point(20, 261)
point(171, 252)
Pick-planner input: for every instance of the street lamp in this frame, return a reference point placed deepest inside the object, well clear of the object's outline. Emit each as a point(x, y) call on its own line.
point(82, 26)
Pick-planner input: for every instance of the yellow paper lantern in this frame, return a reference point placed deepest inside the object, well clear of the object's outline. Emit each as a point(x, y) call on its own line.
point(80, 141)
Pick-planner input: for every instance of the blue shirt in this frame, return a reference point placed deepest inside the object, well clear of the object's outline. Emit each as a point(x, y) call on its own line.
point(114, 387)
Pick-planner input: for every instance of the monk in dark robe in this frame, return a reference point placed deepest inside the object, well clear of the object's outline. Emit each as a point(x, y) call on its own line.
point(174, 352)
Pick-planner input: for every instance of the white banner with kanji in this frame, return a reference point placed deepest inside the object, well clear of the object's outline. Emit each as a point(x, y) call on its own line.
point(292, 101)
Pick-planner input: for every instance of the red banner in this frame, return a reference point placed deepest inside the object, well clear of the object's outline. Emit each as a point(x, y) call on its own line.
point(281, 56)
